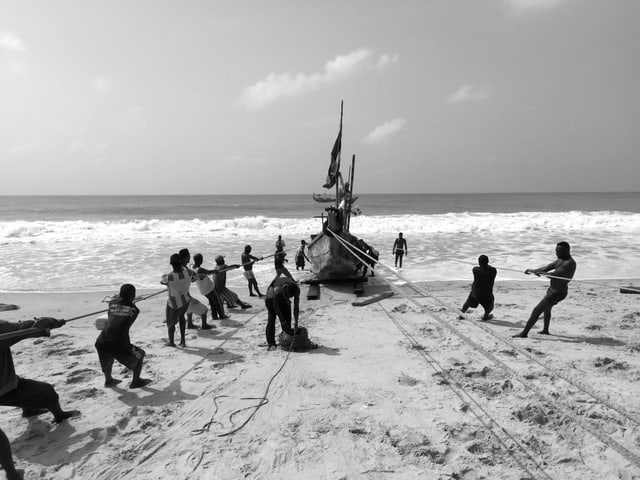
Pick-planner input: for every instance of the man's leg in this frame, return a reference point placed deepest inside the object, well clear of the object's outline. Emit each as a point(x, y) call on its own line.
point(255, 286)
point(106, 364)
point(488, 308)
point(535, 314)
point(183, 330)
point(6, 459)
point(190, 321)
point(547, 320)
point(205, 325)
point(271, 325)
point(136, 369)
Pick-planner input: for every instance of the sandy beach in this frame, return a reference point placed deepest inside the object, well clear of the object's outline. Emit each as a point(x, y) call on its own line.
point(400, 388)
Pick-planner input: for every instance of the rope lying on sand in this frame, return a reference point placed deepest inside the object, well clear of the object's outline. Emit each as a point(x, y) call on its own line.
point(623, 451)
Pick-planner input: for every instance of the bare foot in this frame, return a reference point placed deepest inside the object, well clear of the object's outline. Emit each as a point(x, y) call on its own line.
point(63, 415)
point(141, 382)
point(170, 344)
point(519, 335)
point(544, 332)
point(112, 382)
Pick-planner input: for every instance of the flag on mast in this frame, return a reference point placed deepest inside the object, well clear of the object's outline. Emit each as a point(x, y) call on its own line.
point(334, 166)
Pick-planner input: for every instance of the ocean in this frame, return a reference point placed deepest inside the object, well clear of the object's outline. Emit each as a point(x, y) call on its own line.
point(96, 243)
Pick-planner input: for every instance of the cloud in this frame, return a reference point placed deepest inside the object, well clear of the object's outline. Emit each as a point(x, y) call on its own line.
point(101, 84)
point(522, 6)
point(10, 41)
point(469, 93)
point(278, 85)
point(384, 132)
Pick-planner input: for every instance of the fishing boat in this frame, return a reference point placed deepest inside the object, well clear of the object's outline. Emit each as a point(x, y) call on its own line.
point(327, 198)
point(331, 251)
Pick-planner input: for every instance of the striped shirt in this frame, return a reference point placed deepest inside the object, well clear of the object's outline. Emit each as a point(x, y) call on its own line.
point(178, 284)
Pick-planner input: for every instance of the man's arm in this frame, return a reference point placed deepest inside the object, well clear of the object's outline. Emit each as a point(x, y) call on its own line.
point(27, 329)
point(296, 309)
point(538, 271)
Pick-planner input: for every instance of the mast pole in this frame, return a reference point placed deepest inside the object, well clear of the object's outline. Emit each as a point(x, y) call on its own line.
point(338, 176)
point(351, 175)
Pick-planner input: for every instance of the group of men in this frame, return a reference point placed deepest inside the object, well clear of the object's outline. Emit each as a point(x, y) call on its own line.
point(560, 272)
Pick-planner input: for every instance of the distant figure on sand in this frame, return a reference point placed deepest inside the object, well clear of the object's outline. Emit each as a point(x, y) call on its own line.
point(33, 397)
point(178, 282)
point(278, 263)
point(114, 343)
point(195, 306)
point(207, 288)
point(301, 256)
point(247, 260)
point(280, 244)
point(565, 267)
point(220, 283)
point(6, 459)
point(278, 304)
point(482, 288)
point(399, 249)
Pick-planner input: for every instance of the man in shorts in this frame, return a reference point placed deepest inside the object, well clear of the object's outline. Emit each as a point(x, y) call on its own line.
point(564, 267)
point(32, 396)
point(196, 307)
point(178, 282)
point(247, 260)
point(207, 288)
point(114, 343)
point(484, 276)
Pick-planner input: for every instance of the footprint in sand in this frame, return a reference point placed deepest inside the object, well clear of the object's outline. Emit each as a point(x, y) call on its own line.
point(82, 375)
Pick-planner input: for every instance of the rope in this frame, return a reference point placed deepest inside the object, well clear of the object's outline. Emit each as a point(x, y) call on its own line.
point(623, 451)
point(588, 282)
point(451, 380)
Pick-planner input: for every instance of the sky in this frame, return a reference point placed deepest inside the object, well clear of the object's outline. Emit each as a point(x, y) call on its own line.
point(131, 97)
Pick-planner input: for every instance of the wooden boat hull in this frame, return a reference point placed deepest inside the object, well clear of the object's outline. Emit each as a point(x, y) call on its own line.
point(330, 259)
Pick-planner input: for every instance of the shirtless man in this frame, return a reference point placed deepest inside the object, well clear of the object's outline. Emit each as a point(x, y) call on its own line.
point(565, 267)
point(114, 343)
point(247, 260)
point(399, 249)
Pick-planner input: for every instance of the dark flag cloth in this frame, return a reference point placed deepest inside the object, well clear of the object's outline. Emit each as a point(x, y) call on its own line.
point(334, 166)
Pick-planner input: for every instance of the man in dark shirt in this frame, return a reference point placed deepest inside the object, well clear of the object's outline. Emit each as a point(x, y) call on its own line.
point(482, 288)
point(32, 396)
point(278, 304)
point(114, 343)
point(565, 267)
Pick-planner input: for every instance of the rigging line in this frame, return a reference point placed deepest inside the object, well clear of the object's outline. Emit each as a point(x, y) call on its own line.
point(589, 282)
point(559, 373)
point(571, 378)
point(623, 451)
point(426, 356)
point(488, 425)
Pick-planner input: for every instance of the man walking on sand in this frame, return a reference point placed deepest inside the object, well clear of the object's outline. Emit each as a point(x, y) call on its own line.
point(399, 249)
point(564, 267)
point(484, 276)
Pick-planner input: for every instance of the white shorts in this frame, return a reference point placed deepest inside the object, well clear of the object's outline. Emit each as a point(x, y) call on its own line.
point(248, 274)
point(196, 307)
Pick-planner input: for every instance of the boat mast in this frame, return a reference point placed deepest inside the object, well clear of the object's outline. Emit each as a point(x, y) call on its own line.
point(338, 176)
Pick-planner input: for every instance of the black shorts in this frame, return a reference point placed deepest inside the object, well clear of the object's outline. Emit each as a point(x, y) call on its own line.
point(553, 297)
point(30, 394)
point(175, 314)
point(130, 357)
point(486, 302)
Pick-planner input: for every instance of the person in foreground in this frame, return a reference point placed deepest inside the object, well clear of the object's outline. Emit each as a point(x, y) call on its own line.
point(481, 293)
point(565, 267)
point(114, 343)
point(32, 396)
point(278, 304)
point(6, 459)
